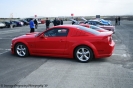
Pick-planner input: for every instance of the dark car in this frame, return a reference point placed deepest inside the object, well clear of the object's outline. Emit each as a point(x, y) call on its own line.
point(97, 22)
point(93, 22)
point(28, 19)
point(19, 23)
point(25, 22)
point(7, 23)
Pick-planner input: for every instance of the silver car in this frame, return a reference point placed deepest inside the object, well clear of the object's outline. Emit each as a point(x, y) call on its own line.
point(2, 25)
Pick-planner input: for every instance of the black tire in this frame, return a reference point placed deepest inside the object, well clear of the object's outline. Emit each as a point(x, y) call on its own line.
point(21, 53)
point(84, 52)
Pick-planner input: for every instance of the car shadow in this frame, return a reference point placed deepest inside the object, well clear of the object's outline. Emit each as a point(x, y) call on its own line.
point(9, 55)
point(99, 60)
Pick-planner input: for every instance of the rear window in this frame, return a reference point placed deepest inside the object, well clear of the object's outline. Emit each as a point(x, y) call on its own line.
point(92, 31)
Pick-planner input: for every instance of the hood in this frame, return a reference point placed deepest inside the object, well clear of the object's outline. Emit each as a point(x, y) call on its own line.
point(32, 33)
point(28, 35)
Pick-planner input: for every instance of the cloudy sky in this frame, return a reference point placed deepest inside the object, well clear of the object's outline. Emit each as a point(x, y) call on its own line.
point(27, 8)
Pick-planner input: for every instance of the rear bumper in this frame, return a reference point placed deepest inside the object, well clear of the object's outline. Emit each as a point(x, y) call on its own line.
point(110, 51)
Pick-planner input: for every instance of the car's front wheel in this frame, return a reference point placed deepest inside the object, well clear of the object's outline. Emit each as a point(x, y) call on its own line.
point(21, 50)
point(83, 54)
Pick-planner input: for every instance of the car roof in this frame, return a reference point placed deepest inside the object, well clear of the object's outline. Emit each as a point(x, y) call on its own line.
point(78, 27)
point(65, 26)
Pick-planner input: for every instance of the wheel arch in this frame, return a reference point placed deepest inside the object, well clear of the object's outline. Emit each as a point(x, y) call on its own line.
point(83, 45)
point(22, 43)
point(91, 46)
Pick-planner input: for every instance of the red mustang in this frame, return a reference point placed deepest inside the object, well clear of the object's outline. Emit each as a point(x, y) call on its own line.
point(70, 41)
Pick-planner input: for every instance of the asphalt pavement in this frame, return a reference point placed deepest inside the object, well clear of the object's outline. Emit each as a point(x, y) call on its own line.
point(45, 72)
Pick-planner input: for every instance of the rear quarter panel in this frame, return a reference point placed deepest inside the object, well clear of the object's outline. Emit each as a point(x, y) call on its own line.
point(77, 38)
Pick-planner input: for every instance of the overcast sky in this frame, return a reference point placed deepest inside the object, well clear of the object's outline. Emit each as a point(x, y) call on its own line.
point(27, 8)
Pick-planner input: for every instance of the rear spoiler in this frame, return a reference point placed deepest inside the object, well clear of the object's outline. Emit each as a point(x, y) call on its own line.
point(109, 33)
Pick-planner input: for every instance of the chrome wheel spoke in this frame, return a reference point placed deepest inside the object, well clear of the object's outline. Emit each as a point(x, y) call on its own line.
point(86, 57)
point(83, 54)
point(21, 47)
point(83, 50)
point(23, 53)
point(81, 57)
point(21, 50)
point(18, 48)
point(79, 53)
point(87, 52)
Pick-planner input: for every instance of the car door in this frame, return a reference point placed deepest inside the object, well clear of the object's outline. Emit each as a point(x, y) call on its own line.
point(54, 41)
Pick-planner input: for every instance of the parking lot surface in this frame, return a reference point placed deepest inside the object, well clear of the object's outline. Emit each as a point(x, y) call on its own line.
point(112, 72)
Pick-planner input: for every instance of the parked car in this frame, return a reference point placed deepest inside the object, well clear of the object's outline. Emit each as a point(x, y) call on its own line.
point(94, 22)
point(69, 41)
point(106, 22)
point(101, 25)
point(94, 27)
point(8, 24)
point(2, 25)
point(100, 28)
point(109, 28)
point(19, 23)
point(25, 22)
point(97, 22)
point(28, 19)
point(39, 22)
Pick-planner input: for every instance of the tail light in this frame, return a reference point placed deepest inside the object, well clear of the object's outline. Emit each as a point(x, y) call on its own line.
point(110, 39)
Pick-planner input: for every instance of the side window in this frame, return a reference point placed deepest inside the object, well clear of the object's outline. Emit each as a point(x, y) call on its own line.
point(51, 33)
point(57, 32)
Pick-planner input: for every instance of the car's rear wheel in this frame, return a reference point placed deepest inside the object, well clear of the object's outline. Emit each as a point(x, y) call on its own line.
point(21, 50)
point(83, 54)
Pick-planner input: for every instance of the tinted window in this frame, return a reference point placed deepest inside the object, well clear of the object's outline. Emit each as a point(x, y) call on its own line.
point(57, 32)
point(92, 31)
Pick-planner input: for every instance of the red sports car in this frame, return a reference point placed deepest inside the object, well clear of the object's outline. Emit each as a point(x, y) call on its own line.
point(70, 41)
point(94, 27)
